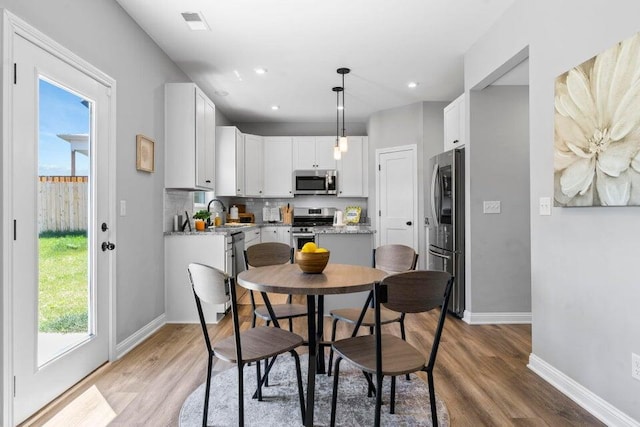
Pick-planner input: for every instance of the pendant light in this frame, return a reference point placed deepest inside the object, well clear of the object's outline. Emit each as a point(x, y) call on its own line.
point(337, 154)
point(342, 141)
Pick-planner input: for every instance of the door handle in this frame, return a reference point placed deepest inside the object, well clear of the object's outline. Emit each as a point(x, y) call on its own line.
point(108, 246)
point(409, 223)
point(438, 255)
point(104, 226)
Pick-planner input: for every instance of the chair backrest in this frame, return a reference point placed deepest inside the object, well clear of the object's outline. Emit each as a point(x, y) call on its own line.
point(413, 292)
point(395, 258)
point(209, 284)
point(269, 253)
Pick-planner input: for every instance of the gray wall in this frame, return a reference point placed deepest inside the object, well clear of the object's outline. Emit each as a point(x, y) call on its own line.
point(420, 124)
point(583, 260)
point(499, 166)
point(103, 34)
point(300, 128)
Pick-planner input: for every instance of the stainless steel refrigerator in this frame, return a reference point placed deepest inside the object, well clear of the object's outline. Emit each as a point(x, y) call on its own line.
point(445, 221)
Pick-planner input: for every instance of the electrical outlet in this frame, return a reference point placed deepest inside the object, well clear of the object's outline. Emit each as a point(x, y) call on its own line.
point(545, 205)
point(491, 206)
point(635, 366)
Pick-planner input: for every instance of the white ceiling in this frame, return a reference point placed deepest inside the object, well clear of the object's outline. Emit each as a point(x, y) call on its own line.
point(301, 43)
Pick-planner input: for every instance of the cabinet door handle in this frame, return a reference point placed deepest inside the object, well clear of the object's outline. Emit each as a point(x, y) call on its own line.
point(208, 181)
point(456, 141)
point(409, 223)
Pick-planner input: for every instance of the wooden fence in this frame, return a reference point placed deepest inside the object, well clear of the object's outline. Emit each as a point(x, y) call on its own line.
point(63, 203)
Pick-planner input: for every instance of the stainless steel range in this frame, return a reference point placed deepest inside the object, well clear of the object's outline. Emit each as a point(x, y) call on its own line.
point(304, 221)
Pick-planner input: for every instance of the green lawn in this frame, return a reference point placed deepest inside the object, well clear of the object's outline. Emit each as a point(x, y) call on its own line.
point(63, 288)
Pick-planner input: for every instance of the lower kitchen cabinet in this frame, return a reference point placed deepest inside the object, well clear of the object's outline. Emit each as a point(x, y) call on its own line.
point(272, 233)
point(347, 248)
point(181, 250)
point(252, 237)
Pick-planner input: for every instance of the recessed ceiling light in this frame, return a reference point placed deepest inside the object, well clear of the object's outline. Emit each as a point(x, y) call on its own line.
point(275, 107)
point(260, 71)
point(412, 85)
point(195, 21)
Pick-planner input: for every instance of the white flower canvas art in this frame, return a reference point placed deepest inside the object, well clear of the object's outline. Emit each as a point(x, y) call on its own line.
point(597, 130)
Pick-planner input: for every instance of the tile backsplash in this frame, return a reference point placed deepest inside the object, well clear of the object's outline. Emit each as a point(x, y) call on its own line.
point(176, 203)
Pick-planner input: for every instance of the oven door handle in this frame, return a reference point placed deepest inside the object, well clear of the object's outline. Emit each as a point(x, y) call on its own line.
point(303, 234)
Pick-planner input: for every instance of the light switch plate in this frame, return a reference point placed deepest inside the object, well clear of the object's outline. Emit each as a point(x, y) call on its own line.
point(491, 206)
point(545, 205)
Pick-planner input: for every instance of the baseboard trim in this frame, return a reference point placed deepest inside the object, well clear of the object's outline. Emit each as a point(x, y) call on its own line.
point(137, 337)
point(591, 402)
point(496, 318)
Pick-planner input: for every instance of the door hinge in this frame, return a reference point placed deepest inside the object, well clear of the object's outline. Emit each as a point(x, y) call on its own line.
point(15, 73)
point(15, 230)
point(14, 386)
point(379, 167)
point(379, 213)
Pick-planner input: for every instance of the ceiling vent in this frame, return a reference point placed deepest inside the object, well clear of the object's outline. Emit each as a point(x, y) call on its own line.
point(195, 21)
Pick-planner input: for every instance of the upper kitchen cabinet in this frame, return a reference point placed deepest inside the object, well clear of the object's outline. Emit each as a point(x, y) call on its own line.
point(313, 152)
point(190, 128)
point(229, 161)
point(253, 166)
point(353, 168)
point(454, 115)
point(277, 166)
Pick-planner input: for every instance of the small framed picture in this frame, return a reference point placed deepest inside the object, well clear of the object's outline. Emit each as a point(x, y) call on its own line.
point(145, 158)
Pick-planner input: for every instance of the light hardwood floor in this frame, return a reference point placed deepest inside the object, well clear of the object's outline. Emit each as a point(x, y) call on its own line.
point(480, 373)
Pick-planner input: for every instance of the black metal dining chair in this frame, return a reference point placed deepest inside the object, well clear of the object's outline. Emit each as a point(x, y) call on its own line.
point(387, 355)
point(252, 345)
point(391, 258)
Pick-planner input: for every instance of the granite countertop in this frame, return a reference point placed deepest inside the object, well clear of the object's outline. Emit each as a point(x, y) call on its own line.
point(223, 230)
point(345, 229)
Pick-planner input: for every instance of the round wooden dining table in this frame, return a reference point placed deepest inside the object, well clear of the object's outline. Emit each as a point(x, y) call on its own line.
point(289, 279)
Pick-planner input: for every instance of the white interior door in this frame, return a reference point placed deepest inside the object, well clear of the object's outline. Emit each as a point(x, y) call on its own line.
point(397, 196)
point(60, 311)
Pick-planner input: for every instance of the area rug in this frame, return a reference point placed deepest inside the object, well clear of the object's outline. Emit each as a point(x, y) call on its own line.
point(280, 405)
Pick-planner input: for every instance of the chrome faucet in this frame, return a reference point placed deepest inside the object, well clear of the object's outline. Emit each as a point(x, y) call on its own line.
point(209, 208)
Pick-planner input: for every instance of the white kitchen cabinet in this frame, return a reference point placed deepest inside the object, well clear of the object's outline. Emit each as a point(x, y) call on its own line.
point(252, 237)
point(313, 152)
point(179, 252)
point(353, 170)
point(454, 124)
point(277, 167)
point(229, 161)
point(253, 164)
point(273, 233)
point(190, 121)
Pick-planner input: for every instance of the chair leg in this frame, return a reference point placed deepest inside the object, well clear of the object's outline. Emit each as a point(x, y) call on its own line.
point(299, 377)
point(240, 396)
point(334, 398)
point(378, 400)
point(372, 388)
point(333, 338)
point(259, 389)
point(404, 337)
point(266, 373)
point(392, 405)
point(432, 399)
point(206, 392)
point(290, 324)
point(253, 319)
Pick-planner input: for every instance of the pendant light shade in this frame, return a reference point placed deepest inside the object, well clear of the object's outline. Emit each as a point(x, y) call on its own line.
point(337, 154)
point(342, 140)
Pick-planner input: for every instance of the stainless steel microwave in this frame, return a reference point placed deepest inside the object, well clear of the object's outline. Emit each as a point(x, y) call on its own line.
point(315, 181)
